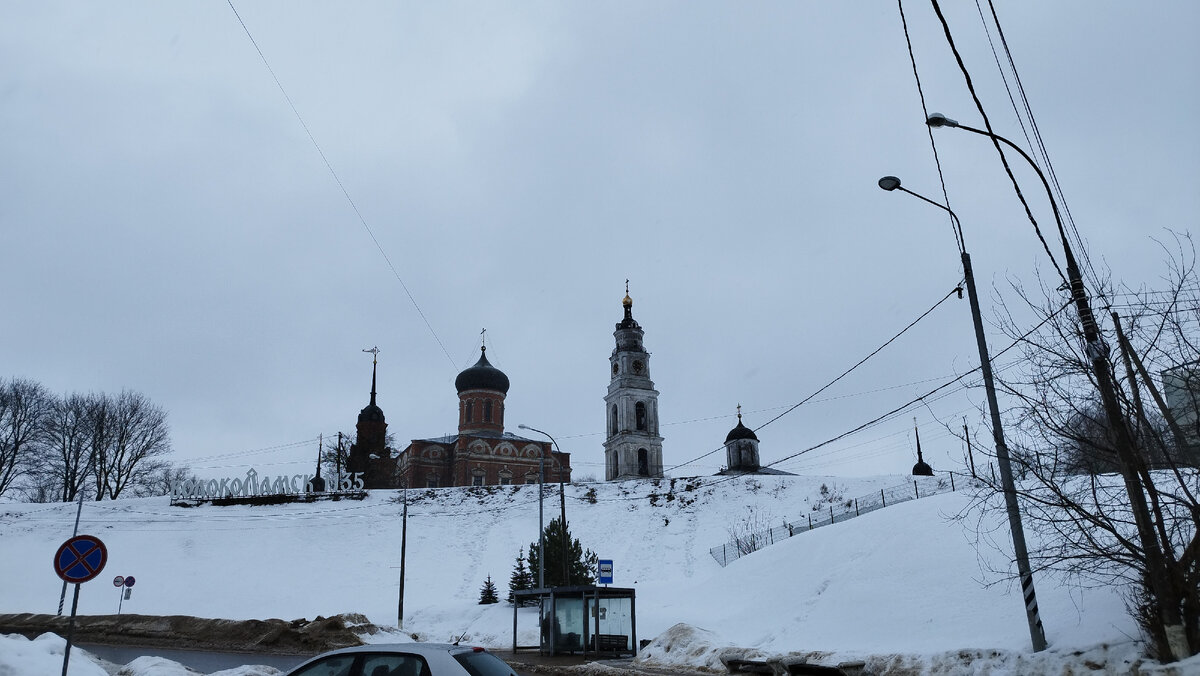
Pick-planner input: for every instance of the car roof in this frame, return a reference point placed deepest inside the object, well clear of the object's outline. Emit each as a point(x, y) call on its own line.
point(435, 653)
point(423, 649)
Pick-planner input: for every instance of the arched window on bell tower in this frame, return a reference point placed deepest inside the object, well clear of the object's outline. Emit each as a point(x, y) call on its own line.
point(612, 425)
point(643, 462)
point(640, 414)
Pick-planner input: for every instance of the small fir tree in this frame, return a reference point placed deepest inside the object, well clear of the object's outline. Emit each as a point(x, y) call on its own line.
point(581, 564)
point(488, 593)
point(521, 579)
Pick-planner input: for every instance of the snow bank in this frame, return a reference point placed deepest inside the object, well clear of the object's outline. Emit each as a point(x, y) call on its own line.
point(902, 581)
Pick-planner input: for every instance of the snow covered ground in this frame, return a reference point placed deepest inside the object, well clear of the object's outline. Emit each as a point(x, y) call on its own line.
point(903, 587)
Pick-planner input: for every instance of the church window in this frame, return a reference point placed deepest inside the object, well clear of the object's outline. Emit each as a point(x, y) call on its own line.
point(431, 481)
point(505, 477)
point(477, 480)
point(643, 462)
point(531, 478)
point(487, 410)
point(612, 426)
point(468, 407)
point(640, 413)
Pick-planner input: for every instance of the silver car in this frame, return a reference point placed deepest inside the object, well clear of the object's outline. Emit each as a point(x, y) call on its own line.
point(405, 659)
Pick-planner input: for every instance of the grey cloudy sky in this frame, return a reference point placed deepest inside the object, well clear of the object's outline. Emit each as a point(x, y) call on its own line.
point(167, 226)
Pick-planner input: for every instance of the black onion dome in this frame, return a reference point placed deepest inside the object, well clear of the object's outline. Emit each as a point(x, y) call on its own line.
point(922, 468)
point(371, 413)
point(740, 432)
point(482, 376)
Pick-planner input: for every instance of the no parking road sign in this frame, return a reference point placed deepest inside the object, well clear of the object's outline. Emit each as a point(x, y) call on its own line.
point(80, 559)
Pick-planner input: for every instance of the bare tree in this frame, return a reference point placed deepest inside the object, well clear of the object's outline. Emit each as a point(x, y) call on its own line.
point(1063, 447)
point(67, 449)
point(129, 439)
point(24, 405)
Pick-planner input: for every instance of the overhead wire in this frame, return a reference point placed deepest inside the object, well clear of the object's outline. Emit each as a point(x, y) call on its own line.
point(342, 186)
point(1038, 143)
point(835, 380)
point(995, 141)
point(957, 228)
point(917, 400)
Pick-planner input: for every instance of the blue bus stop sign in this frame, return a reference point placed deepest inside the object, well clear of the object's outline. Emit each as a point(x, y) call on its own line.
point(80, 559)
point(605, 572)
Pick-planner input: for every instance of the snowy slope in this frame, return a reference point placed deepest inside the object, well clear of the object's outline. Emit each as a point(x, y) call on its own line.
point(903, 579)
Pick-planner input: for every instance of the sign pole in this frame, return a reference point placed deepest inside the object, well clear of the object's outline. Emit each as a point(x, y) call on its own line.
point(78, 511)
point(70, 630)
point(78, 560)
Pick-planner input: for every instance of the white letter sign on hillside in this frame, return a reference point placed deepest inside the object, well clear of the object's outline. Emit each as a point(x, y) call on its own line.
point(252, 486)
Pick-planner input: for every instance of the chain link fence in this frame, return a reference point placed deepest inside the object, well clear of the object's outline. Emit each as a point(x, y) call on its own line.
point(836, 512)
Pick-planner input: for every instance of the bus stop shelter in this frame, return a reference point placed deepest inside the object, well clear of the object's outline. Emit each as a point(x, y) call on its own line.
point(583, 619)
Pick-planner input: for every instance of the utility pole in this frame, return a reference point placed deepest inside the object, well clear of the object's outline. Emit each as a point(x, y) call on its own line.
point(1131, 465)
point(1033, 617)
point(403, 545)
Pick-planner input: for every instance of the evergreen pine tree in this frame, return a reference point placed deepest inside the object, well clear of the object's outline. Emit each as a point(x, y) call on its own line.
point(488, 593)
point(581, 564)
point(520, 580)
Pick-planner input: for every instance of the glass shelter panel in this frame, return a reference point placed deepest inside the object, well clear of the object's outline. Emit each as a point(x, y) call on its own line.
point(563, 624)
point(612, 624)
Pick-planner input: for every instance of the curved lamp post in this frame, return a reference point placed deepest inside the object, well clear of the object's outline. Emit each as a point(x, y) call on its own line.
point(562, 504)
point(1036, 631)
point(1098, 353)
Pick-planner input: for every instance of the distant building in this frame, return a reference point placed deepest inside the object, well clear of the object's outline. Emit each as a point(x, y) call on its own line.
point(632, 447)
point(482, 453)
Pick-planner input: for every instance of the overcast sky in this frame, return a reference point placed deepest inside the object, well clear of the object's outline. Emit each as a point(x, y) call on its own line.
point(167, 226)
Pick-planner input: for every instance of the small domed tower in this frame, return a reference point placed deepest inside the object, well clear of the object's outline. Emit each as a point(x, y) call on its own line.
point(481, 392)
point(741, 448)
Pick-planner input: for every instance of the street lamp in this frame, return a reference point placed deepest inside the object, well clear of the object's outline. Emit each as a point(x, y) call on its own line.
point(1097, 352)
point(562, 505)
point(1036, 631)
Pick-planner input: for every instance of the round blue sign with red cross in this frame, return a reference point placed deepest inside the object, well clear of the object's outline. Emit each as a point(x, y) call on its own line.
point(80, 559)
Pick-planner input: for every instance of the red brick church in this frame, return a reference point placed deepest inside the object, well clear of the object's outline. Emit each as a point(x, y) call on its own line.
point(481, 454)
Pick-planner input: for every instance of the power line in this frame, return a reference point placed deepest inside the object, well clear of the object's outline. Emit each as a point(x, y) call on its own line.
point(958, 236)
point(340, 185)
point(835, 380)
point(995, 141)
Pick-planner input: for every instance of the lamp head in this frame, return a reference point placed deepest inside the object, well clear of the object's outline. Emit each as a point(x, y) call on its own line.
point(889, 183)
point(939, 120)
point(523, 426)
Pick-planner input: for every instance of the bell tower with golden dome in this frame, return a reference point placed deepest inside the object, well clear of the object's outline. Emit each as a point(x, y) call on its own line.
point(632, 446)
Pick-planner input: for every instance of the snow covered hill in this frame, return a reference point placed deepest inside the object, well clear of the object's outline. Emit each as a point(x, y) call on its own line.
point(906, 579)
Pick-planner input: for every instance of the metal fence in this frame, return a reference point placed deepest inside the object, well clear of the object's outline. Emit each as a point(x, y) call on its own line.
point(836, 512)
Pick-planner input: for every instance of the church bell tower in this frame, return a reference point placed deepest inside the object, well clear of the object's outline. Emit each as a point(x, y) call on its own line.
point(632, 446)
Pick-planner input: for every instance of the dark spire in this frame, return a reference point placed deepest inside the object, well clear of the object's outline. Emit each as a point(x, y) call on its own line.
point(922, 468)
